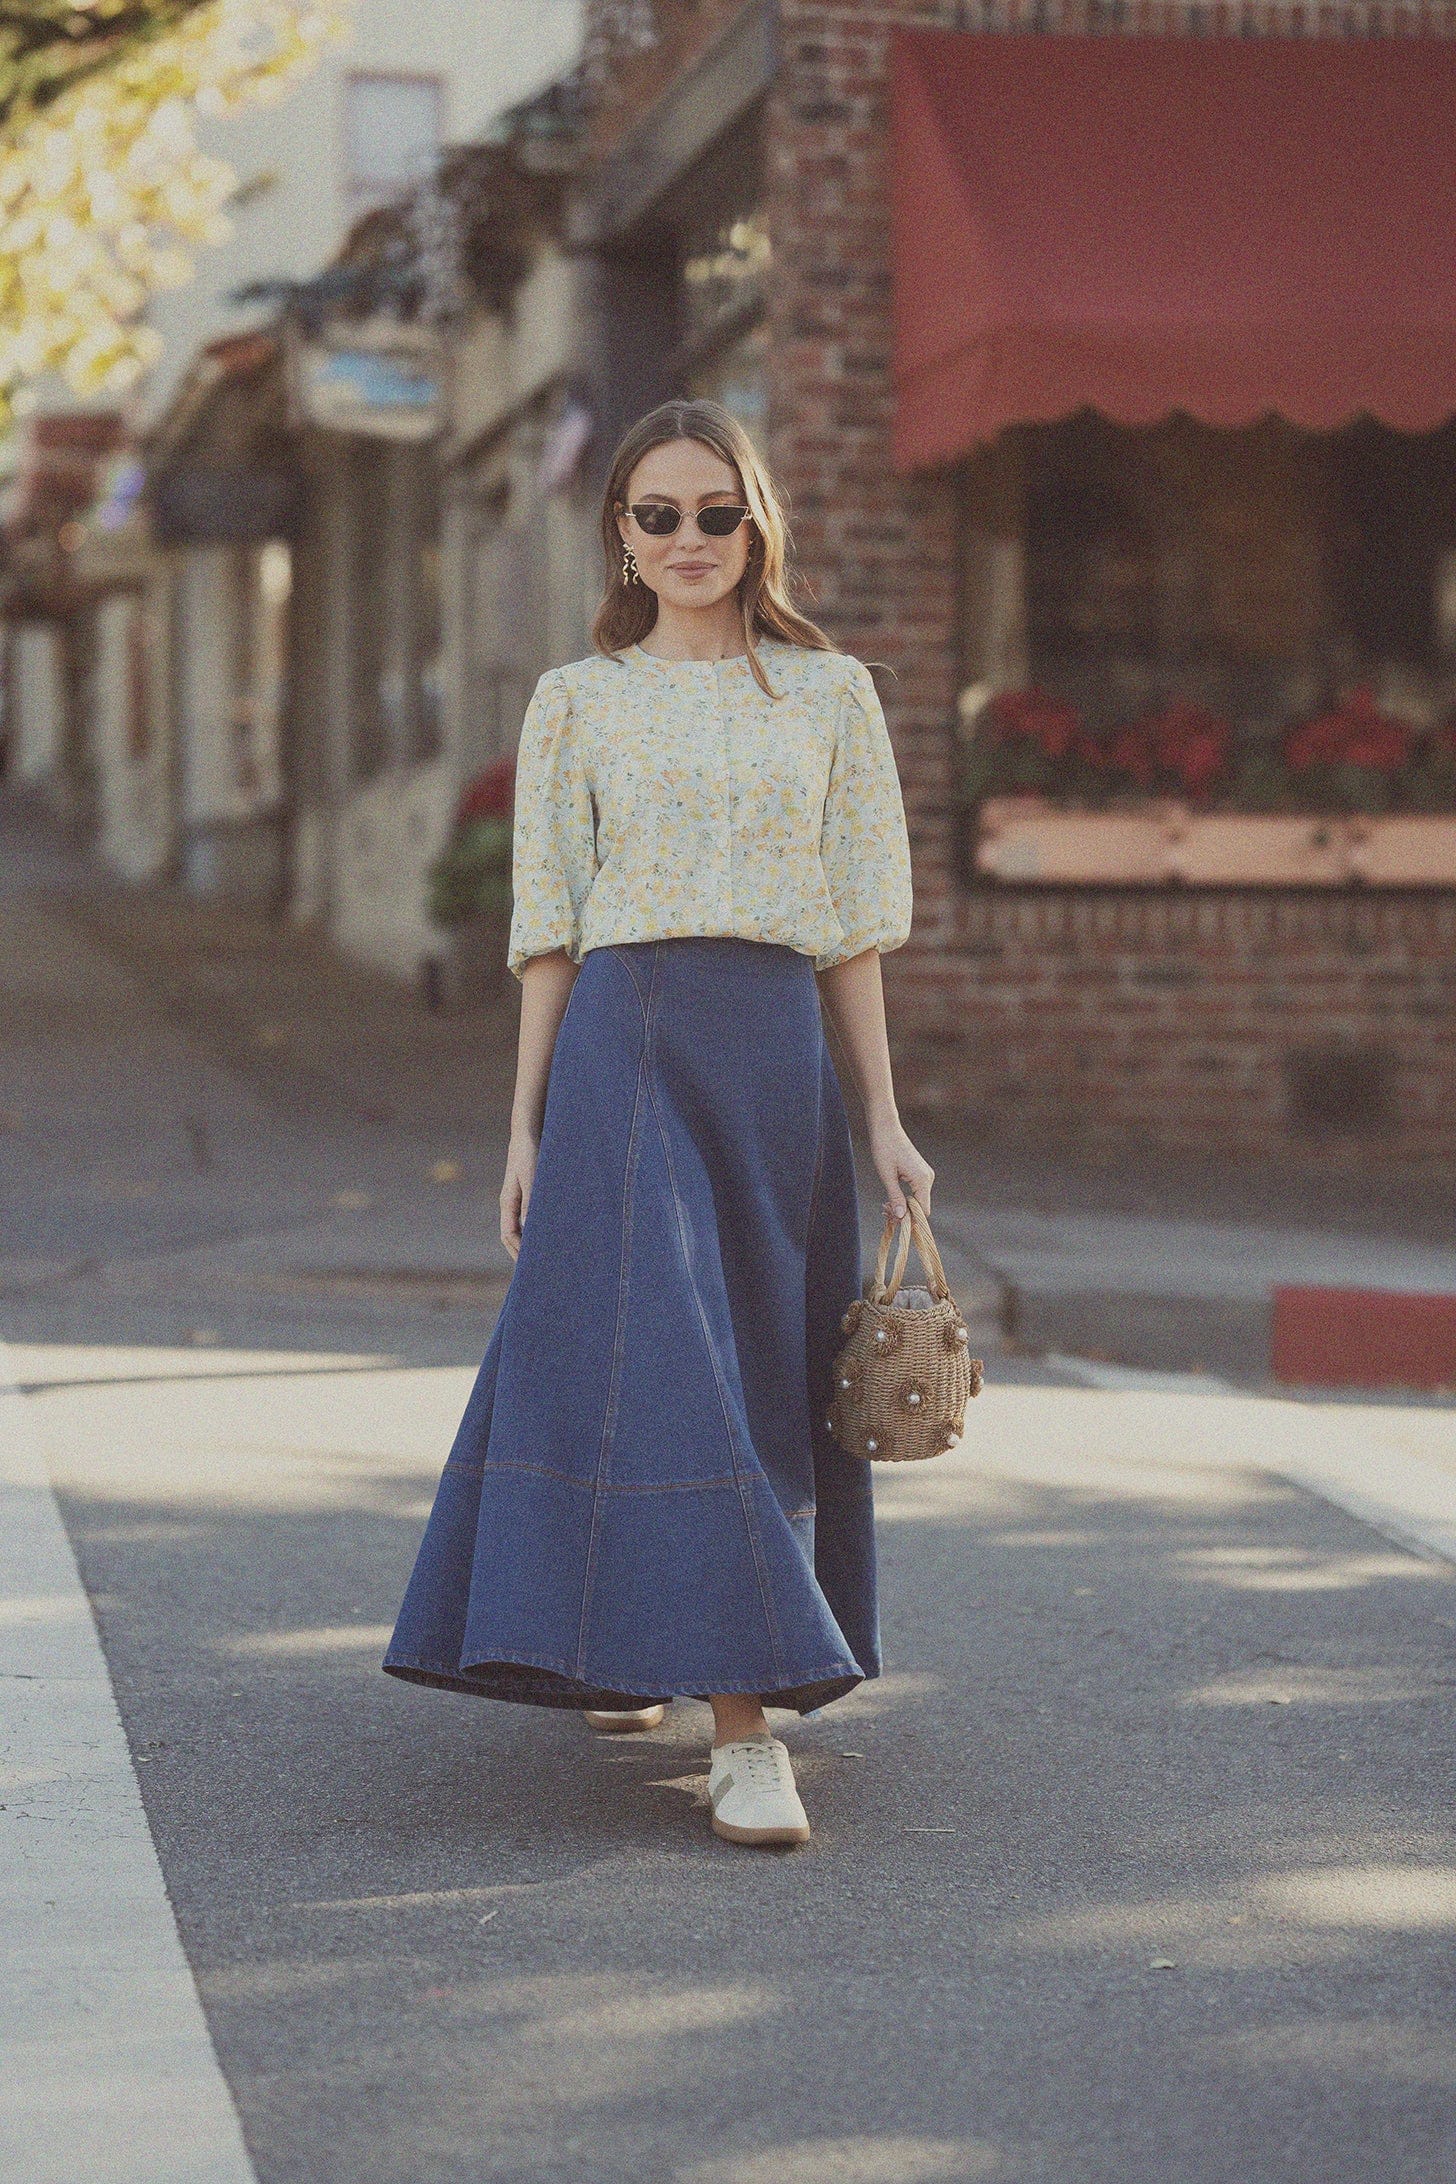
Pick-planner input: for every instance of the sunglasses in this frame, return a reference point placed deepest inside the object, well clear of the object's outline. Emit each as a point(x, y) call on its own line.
point(659, 520)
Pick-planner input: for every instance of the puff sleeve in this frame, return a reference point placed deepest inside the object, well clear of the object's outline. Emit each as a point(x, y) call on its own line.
point(864, 847)
point(553, 853)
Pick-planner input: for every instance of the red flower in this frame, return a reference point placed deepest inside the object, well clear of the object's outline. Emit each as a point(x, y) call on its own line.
point(1318, 743)
point(491, 795)
point(1204, 757)
point(1132, 752)
point(1192, 744)
point(1356, 733)
point(1036, 717)
point(1183, 744)
point(1385, 749)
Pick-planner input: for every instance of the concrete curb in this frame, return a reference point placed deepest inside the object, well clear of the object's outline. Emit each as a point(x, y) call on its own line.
point(110, 2071)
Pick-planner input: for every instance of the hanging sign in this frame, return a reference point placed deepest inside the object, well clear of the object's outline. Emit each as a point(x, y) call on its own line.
point(386, 394)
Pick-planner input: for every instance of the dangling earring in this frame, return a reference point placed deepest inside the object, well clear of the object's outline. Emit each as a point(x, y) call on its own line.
point(629, 567)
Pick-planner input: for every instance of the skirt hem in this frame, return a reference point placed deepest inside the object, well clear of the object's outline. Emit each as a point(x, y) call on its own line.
point(532, 1683)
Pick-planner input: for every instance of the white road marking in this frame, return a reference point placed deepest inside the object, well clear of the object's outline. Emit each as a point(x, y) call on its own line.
point(109, 2072)
point(1392, 1465)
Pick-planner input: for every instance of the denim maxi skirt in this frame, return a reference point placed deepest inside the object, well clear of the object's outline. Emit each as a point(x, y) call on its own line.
point(643, 1498)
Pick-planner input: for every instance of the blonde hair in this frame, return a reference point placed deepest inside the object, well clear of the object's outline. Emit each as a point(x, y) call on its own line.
point(629, 610)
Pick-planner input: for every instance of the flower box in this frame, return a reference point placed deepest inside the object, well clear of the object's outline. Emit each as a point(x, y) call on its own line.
point(1021, 840)
point(1355, 796)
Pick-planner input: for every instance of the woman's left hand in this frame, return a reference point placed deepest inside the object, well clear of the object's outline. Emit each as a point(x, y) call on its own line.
point(903, 1171)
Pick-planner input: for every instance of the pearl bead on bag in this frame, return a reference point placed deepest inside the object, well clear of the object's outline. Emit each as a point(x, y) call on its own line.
point(902, 1380)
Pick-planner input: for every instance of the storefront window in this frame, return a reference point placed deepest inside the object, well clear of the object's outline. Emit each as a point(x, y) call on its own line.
point(242, 675)
point(275, 594)
point(724, 251)
point(138, 680)
point(1394, 497)
point(1178, 561)
point(1263, 619)
point(725, 269)
point(369, 647)
point(429, 639)
point(429, 725)
point(397, 654)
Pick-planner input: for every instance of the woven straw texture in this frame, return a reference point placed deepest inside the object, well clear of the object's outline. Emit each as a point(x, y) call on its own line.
point(904, 1377)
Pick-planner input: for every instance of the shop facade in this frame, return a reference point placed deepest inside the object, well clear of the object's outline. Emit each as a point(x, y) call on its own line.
point(47, 629)
point(1161, 573)
point(370, 782)
point(222, 507)
point(271, 635)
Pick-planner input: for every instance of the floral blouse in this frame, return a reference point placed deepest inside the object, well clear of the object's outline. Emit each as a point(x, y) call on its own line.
point(664, 798)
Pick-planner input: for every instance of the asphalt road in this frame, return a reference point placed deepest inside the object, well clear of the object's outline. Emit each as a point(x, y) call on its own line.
point(1138, 1867)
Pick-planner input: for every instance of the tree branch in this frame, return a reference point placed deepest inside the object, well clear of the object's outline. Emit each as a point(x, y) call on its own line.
point(46, 46)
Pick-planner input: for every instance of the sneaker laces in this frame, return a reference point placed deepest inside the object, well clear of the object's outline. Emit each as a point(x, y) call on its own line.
point(766, 1765)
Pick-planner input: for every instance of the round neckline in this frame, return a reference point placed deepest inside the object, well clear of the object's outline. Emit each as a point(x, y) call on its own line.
point(655, 659)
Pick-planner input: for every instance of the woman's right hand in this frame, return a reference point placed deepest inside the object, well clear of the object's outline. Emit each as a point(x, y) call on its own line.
point(515, 1194)
point(546, 984)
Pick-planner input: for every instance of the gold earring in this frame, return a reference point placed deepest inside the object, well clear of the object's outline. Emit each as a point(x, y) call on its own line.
point(629, 567)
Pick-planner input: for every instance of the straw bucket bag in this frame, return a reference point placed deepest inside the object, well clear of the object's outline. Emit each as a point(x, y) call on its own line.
point(902, 1380)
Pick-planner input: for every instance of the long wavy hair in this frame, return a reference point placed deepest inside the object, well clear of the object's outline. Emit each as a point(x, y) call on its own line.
point(629, 610)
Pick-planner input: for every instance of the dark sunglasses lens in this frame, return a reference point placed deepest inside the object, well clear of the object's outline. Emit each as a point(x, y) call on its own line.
point(657, 520)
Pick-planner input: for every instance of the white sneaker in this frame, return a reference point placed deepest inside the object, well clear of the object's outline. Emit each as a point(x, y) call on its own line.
point(616, 1725)
point(752, 1793)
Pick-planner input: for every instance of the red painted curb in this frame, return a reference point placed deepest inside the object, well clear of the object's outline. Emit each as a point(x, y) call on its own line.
point(1364, 1338)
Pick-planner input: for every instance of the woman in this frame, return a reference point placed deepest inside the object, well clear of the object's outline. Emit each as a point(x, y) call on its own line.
point(643, 1499)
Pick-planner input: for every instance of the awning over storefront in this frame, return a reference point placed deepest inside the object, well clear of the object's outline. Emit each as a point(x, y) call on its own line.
point(1144, 225)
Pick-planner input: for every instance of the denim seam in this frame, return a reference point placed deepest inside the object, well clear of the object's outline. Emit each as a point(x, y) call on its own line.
point(492, 1468)
point(814, 1427)
point(749, 1523)
point(671, 1486)
point(818, 1151)
point(630, 977)
point(609, 1415)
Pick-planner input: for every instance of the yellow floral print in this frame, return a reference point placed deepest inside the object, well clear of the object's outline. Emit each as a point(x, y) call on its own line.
point(664, 798)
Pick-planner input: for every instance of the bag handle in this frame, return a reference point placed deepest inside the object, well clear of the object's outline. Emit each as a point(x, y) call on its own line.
point(918, 1224)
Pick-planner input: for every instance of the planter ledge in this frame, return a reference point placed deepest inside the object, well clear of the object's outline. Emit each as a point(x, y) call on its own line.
point(1024, 839)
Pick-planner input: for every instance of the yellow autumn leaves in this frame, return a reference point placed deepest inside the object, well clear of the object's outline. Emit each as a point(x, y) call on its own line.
point(105, 194)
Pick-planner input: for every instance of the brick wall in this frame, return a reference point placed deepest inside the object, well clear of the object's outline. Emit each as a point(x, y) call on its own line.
point(1239, 1022)
point(877, 548)
point(1321, 1027)
point(627, 72)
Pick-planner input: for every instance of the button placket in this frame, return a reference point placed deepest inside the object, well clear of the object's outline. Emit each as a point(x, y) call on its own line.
point(726, 822)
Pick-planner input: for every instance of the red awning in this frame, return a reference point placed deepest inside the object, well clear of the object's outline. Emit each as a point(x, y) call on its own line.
point(1143, 225)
